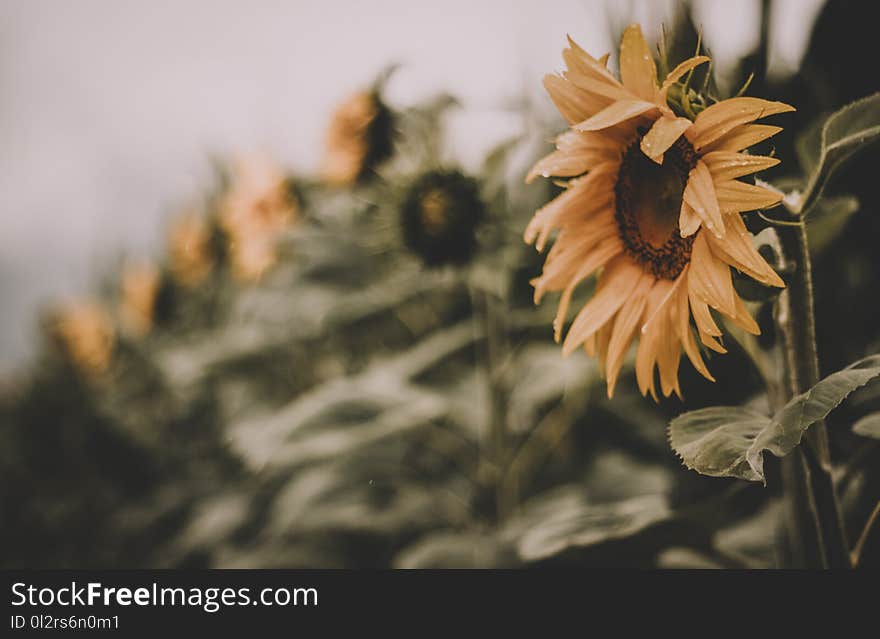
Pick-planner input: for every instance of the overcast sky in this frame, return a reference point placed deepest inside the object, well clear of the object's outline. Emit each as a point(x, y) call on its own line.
point(110, 108)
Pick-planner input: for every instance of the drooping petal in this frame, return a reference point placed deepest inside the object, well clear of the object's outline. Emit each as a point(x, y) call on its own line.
point(663, 135)
point(737, 250)
point(700, 195)
point(625, 324)
point(682, 320)
point(744, 319)
point(637, 69)
point(615, 113)
point(601, 255)
point(709, 278)
point(646, 355)
point(727, 165)
point(615, 285)
point(742, 137)
point(583, 196)
point(736, 197)
point(574, 255)
point(724, 116)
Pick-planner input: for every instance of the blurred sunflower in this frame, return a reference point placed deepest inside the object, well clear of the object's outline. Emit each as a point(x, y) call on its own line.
point(255, 210)
point(84, 330)
point(139, 291)
point(439, 217)
point(654, 206)
point(189, 249)
point(358, 138)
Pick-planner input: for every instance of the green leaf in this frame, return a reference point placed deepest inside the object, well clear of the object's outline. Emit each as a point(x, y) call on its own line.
point(868, 426)
point(715, 441)
point(844, 133)
point(828, 219)
point(730, 441)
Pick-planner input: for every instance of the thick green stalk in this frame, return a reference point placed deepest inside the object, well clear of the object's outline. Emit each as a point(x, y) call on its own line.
point(816, 526)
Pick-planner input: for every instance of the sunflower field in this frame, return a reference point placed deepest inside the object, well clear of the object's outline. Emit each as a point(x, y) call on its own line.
point(643, 334)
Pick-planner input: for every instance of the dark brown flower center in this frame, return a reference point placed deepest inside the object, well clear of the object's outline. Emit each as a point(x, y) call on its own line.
point(648, 199)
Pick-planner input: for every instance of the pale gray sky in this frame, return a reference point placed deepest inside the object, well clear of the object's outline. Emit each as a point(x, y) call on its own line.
point(111, 107)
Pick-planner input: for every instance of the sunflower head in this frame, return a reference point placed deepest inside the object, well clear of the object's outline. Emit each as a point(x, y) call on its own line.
point(258, 206)
point(84, 332)
point(139, 294)
point(653, 205)
point(190, 249)
point(358, 139)
point(440, 215)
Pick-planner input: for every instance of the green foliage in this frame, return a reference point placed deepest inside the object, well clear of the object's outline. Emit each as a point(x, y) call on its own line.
point(868, 426)
point(843, 134)
point(729, 441)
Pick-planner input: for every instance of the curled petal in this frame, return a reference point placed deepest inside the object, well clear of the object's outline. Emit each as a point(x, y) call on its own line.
point(727, 165)
point(616, 113)
point(663, 135)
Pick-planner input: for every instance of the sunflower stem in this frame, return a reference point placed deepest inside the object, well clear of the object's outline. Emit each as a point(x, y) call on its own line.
point(816, 530)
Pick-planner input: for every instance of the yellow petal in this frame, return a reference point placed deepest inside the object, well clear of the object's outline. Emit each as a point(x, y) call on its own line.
point(709, 278)
point(727, 165)
point(646, 356)
point(700, 195)
point(722, 117)
point(613, 289)
point(573, 104)
point(594, 66)
point(683, 324)
point(737, 250)
point(735, 196)
point(663, 135)
point(601, 255)
point(615, 113)
point(637, 70)
point(742, 137)
point(624, 330)
point(576, 154)
point(584, 195)
point(744, 319)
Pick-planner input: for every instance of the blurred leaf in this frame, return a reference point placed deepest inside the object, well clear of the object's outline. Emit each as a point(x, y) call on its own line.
point(844, 133)
point(730, 441)
point(455, 550)
point(565, 520)
point(868, 426)
point(828, 219)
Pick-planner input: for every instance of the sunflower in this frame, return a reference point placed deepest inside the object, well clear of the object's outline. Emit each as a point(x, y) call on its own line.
point(139, 291)
point(84, 330)
point(255, 210)
point(653, 205)
point(189, 249)
point(440, 216)
point(358, 138)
